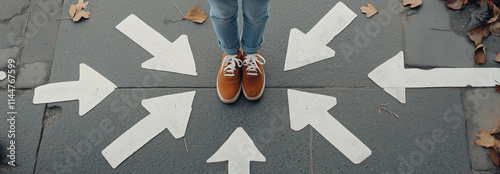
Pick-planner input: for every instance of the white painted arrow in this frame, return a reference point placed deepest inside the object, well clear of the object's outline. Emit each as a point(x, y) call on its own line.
point(312, 109)
point(170, 112)
point(90, 90)
point(304, 49)
point(394, 78)
point(172, 57)
point(3, 75)
point(238, 150)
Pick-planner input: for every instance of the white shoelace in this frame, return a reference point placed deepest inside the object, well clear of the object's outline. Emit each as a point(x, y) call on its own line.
point(251, 61)
point(230, 62)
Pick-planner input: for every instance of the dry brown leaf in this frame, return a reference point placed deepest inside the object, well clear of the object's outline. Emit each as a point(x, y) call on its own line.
point(497, 86)
point(76, 12)
point(414, 3)
point(494, 10)
point(495, 157)
point(481, 2)
point(369, 11)
point(497, 59)
point(478, 33)
point(495, 28)
point(480, 54)
point(496, 128)
point(455, 4)
point(485, 139)
point(196, 15)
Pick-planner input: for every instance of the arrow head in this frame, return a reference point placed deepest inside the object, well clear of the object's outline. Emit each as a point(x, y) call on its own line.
point(390, 75)
point(177, 57)
point(172, 110)
point(306, 107)
point(303, 50)
point(238, 148)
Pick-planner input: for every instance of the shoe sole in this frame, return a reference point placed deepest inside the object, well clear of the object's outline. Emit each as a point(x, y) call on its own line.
point(260, 93)
point(227, 101)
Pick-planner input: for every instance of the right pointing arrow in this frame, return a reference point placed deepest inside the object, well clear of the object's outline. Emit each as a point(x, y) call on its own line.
point(304, 49)
point(170, 112)
point(312, 109)
point(238, 150)
point(173, 57)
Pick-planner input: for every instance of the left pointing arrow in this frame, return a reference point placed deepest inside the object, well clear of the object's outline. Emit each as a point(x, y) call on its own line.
point(90, 90)
point(308, 48)
point(170, 112)
point(238, 150)
point(172, 57)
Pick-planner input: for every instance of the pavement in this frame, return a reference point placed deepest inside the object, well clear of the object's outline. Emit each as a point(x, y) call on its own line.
point(434, 133)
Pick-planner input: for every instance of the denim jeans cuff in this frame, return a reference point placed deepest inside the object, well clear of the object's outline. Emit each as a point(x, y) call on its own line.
point(250, 50)
point(230, 51)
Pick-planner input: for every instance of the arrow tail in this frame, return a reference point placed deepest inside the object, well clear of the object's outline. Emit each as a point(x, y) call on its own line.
point(342, 138)
point(451, 77)
point(238, 167)
point(142, 34)
point(133, 139)
point(57, 92)
point(338, 18)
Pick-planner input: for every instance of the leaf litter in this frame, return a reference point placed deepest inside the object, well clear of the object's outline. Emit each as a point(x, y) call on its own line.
point(76, 13)
point(412, 3)
point(369, 11)
point(194, 15)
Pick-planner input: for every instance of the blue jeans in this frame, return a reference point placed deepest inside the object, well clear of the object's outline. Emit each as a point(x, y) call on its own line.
point(224, 14)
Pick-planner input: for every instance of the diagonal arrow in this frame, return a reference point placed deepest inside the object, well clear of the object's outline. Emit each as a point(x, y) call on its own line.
point(90, 90)
point(304, 49)
point(172, 57)
point(312, 109)
point(170, 112)
point(238, 150)
point(394, 78)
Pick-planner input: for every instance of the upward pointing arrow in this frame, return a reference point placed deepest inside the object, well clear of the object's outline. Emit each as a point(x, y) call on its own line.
point(238, 150)
point(394, 78)
point(90, 90)
point(172, 57)
point(312, 109)
point(304, 49)
point(170, 112)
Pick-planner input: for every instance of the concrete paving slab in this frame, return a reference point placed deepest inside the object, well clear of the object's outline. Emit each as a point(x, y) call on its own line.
point(430, 41)
point(11, 31)
point(73, 143)
point(481, 110)
point(95, 42)
point(28, 129)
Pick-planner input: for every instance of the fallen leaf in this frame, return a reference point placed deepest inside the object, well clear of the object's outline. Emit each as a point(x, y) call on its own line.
point(485, 139)
point(369, 11)
point(497, 86)
point(480, 54)
point(455, 4)
point(481, 2)
point(495, 157)
point(497, 59)
point(76, 12)
point(413, 3)
point(478, 33)
point(496, 129)
point(495, 28)
point(196, 15)
point(495, 12)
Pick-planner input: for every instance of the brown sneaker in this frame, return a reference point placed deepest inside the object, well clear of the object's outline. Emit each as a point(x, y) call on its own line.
point(253, 77)
point(229, 78)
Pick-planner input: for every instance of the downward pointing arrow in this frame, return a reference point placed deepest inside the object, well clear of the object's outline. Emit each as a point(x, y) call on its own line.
point(90, 90)
point(312, 109)
point(238, 150)
point(172, 57)
point(394, 78)
point(170, 112)
point(304, 49)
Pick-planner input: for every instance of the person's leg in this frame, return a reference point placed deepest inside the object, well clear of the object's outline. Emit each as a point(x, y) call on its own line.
point(255, 15)
point(224, 14)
